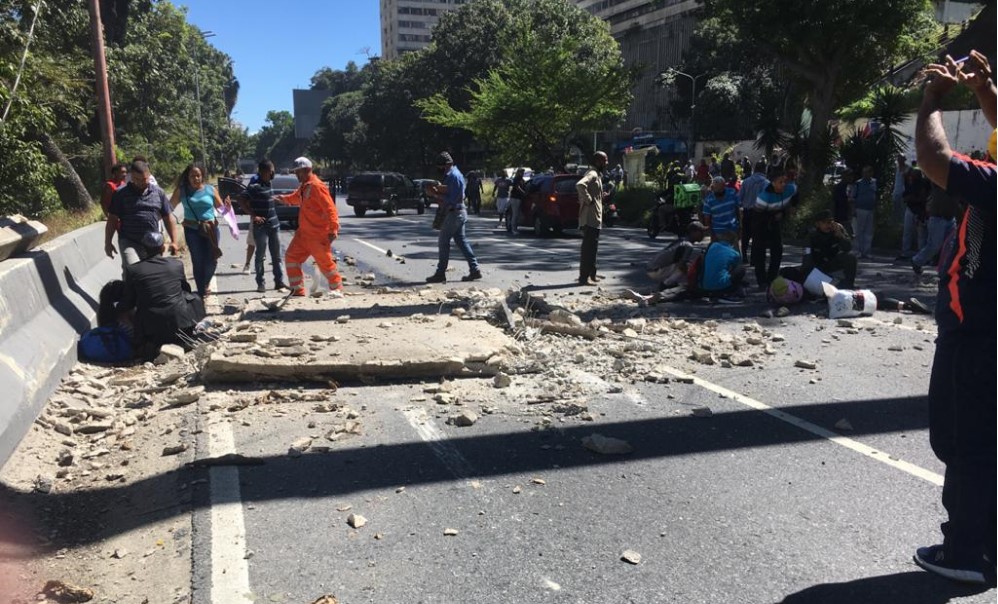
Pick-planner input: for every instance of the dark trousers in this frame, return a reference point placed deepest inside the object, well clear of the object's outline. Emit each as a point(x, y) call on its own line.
point(590, 245)
point(844, 262)
point(766, 236)
point(746, 232)
point(962, 433)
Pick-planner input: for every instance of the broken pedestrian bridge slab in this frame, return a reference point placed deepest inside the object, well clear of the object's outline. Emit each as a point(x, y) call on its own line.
point(398, 335)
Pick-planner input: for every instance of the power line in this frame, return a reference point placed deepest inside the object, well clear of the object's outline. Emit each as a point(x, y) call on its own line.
point(24, 56)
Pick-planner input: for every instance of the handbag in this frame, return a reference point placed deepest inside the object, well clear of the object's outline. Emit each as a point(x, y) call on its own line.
point(207, 228)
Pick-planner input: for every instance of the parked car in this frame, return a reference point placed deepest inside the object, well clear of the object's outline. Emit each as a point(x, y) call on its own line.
point(388, 191)
point(424, 184)
point(552, 204)
point(282, 184)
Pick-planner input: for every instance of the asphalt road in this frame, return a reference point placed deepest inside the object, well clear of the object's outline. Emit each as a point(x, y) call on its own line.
point(755, 504)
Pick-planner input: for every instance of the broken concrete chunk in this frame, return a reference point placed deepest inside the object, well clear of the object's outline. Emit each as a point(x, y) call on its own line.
point(465, 418)
point(93, 427)
point(244, 336)
point(185, 397)
point(65, 592)
point(169, 352)
point(805, 364)
point(299, 446)
point(356, 521)
point(630, 556)
point(606, 445)
point(450, 532)
point(703, 357)
point(282, 342)
point(343, 319)
point(174, 449)
point(702, 412)
point(843, 424)
point(502, 380)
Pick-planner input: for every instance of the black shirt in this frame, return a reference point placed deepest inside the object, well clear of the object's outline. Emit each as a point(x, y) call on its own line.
point(826, 246)
point(158, 291)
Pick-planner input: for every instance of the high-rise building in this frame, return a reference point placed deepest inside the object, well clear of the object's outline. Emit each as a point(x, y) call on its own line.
point(406, 24)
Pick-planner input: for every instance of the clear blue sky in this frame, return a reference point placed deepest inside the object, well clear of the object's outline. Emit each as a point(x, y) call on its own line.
point(277, 46)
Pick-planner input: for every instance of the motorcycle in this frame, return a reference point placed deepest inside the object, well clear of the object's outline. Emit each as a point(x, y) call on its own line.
point(667, 217)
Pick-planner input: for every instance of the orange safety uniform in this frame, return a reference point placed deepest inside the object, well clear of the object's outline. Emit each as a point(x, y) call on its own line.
point(317, 220)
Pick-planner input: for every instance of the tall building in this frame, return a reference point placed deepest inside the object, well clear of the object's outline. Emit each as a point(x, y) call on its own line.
point(406, 24)
point(653, 35)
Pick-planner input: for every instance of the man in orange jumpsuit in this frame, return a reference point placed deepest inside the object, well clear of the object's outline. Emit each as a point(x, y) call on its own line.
point(318, 226)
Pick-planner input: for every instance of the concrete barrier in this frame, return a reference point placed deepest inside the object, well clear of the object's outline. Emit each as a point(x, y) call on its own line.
point(48, 296)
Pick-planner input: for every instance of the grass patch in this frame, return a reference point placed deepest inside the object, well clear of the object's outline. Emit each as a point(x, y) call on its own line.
point(61, 222)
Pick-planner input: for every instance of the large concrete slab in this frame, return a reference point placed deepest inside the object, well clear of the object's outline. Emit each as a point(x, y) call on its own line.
point(399, 335)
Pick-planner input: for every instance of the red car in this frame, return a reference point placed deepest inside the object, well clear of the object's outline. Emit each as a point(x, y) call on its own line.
point(552, 204)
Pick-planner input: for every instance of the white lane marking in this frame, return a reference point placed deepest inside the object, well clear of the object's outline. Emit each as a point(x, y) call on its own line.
point(858, 447)
point(518, 244)
point(229, 568)
point(372, 246)
point(446, 452)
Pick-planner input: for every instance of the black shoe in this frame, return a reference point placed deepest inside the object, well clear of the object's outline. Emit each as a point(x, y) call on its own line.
point(915, 267)
point(472, 276)
point(933, 559)
point(437, 278)
point(918, 307)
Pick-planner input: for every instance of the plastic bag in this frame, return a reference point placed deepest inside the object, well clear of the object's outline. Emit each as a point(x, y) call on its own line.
point(814, 280)
point(229, 216)
point(843, 303)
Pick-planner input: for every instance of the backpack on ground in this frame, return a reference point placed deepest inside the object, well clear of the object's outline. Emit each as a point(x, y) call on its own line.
point(108, 344)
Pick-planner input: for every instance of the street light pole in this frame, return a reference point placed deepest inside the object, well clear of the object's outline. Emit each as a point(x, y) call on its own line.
point(693, 103)
point(197, 90)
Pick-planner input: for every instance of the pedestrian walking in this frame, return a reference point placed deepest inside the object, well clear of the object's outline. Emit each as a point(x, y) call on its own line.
point(962, 408)
point(450, 195)
point(318, 227)
point(917, 190)
point(500, 189)
point(200, 202)
point(474, 191)
point(135, 210)
point(591, 196)
point(865, 204)
point(265, 228)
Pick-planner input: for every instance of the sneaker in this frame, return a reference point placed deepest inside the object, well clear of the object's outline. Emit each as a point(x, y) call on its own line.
point(472, 276)
point(915, 267)
point(933, 559)
point(299, 293)
point(246, 269)
point(437, 278)
point(261, 288)
point(281, 287)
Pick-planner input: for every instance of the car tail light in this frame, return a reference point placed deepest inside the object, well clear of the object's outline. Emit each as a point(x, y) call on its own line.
point(552, 198)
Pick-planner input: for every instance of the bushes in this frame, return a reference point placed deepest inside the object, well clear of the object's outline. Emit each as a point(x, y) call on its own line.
point(634, 204)
point(886, 231)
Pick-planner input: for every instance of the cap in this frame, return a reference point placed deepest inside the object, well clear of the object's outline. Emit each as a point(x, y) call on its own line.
point(152, 240)
point(301, 163)
point(823, 215)
point(717, 180)
point(444, 158)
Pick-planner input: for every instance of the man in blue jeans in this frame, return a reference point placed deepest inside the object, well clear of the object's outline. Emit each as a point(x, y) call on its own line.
point(962, 387)
point(265, 228)
point(450, 194)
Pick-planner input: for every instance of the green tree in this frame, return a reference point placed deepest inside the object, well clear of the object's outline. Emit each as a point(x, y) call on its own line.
point(336, 139)
point(563, 75)
point(276, 139)
point(832, 49)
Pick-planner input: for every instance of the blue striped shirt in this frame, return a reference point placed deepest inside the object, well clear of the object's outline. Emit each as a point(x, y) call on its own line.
point(771, 201)
point(723, 211)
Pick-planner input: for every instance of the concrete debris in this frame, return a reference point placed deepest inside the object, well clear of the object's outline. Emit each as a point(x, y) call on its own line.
point(343, 319)
point(465, 418)
point(174, 449)
point(184, 397)
point(517, 490)
point(538, 481)
point(299, 446)
point(630, 556)
point(356, 521)
point(843, 424)
point(119, 553)
point(445, 398)
point(502, 380)
point(606, 445)
point(93, 427)
point(65, 593)
point(169, 352)
point(783, 311)
point(44, 484)
point(450, 532)
point(804, 364)
point(895, 348)
point(702, 412)
point(703, 357)
point(560, 316)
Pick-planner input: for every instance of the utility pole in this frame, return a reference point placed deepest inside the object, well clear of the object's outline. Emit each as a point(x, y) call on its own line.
point(103, 94)
point(693, 105)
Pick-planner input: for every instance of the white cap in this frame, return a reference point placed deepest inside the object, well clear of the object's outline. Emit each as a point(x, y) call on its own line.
point(301, 163)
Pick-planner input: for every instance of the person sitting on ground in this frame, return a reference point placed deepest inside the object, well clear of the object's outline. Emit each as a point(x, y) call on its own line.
point(828, 250)
point(164, 307)
point(722, 272)
point(670, 266)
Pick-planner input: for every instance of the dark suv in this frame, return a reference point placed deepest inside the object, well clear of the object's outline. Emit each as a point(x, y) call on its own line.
point(552, 204)
point(388, 191)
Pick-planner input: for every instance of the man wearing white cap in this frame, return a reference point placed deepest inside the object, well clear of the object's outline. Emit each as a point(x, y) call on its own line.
point(318, 226)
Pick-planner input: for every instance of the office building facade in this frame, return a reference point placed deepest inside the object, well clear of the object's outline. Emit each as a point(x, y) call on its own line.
point(406, 24)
